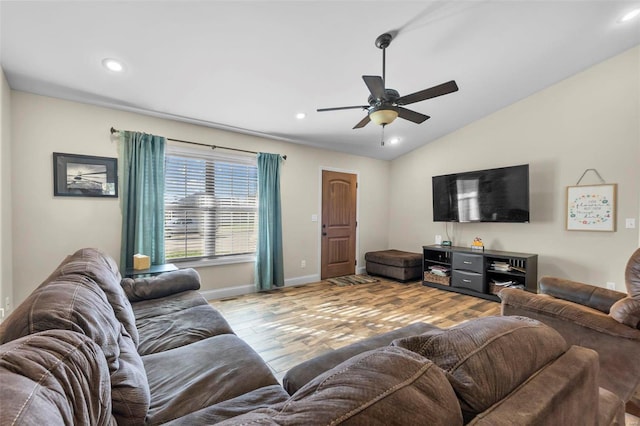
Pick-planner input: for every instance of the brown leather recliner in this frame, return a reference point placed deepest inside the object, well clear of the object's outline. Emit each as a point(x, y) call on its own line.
point(604, 320)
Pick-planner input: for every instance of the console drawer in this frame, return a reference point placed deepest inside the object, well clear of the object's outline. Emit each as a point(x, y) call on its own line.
point(468, 262)
point(468, 280)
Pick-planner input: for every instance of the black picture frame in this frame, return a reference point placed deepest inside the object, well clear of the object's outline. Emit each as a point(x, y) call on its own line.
point(84, 176)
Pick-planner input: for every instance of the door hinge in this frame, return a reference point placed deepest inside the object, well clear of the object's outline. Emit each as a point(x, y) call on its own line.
point(355, 262)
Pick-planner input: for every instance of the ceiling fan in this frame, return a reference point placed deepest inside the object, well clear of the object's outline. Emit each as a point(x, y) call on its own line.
point(385, 104)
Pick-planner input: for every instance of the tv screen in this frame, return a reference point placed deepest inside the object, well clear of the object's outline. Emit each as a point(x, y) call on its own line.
point(493, 195)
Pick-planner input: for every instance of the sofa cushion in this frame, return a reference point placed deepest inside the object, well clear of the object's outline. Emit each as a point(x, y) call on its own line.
point(399, 258)
point(186, 379)
point(386, 386)
point(632, 275)
point(75, 302)
point(167, 305)
point(54, 377)
point(626, 311)
point(487, 358)
point(214, 414)
point(175, 329)
point(103, 270)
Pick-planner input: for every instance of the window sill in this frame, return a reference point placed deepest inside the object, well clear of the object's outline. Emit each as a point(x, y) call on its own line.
point(227, 260)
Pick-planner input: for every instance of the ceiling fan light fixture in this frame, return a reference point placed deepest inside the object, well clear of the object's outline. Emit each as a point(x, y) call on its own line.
point(382, 117)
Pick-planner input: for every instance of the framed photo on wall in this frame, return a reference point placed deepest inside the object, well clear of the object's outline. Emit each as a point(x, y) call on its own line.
point(84, 176)
point(591, 207)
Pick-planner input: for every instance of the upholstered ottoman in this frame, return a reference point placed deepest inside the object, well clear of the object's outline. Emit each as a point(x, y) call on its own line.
point(396, 264)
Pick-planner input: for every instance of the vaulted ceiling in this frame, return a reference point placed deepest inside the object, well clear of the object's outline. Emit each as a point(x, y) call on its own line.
point(251, 66)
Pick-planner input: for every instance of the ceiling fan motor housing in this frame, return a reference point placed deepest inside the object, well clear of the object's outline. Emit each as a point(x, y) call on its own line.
point(390, 96)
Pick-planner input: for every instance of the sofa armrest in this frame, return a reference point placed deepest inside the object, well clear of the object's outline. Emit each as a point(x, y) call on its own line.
point(518, 302)
point(584, 294)
point(161, 285)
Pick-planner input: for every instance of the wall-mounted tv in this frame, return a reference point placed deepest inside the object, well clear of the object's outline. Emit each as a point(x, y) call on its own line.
point(493, 195)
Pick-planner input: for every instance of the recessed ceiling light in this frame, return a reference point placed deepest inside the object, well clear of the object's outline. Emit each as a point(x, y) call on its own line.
point(112, 65)
point(300, 115)
point(630, 15)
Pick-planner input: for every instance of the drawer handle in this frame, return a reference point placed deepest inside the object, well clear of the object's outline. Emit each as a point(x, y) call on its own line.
point(466, 281)
point(466, 262)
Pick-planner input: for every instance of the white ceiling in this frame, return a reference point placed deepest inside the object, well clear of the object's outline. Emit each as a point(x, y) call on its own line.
point(250, 66)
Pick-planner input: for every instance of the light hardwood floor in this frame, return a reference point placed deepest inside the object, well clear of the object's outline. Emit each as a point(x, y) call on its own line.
point(293, 324)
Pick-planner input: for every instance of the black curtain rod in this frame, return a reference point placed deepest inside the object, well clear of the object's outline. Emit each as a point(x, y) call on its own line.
point(113, 130)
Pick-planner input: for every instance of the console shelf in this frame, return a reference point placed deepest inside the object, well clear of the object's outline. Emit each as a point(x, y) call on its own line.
point(478, 273)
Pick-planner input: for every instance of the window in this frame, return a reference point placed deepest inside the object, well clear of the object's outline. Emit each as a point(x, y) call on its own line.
point(211, 204)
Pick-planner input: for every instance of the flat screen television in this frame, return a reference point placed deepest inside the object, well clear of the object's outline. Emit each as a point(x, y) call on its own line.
point(493, 195)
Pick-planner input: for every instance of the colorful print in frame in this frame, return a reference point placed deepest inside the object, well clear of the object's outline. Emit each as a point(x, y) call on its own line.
point(591, 208)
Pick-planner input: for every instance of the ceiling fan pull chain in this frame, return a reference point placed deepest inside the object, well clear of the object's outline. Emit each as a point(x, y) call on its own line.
point(382, 139)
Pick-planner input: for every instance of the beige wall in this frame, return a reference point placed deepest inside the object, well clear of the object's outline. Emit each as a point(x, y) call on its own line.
point(590, 120)
point(46, 228)
point(6, 289)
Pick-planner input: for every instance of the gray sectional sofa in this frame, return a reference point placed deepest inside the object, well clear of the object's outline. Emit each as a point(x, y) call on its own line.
point(88, 348)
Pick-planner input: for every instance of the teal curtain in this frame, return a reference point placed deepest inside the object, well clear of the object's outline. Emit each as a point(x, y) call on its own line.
point(269, 262)
point(142, 197)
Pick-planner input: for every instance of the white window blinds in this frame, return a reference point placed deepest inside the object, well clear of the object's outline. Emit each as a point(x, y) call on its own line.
point(211, 204)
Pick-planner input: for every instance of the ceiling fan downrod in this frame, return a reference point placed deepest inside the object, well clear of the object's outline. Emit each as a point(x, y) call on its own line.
point(382, 42)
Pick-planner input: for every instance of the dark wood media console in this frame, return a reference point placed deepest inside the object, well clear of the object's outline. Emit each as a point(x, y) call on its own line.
point(478, 273)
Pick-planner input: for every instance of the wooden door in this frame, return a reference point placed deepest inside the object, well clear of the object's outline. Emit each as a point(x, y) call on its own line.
point(338, 253)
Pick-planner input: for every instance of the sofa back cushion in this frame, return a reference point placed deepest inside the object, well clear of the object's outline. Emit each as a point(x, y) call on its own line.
point(103, 270)
point(632, 275)
point(54, 377)
point(487, 358)
point(386, 386)
point(76, 302)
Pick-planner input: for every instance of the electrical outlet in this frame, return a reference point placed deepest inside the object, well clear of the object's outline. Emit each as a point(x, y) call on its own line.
point(611, 286)
point(630, 223)
point(303, 263)
point(7, 304)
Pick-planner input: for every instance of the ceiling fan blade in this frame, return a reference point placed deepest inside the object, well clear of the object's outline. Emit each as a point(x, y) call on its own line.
point(339, 108)
point(375, 84)
point(407, 114)
point(362, 122)
point(432, 92)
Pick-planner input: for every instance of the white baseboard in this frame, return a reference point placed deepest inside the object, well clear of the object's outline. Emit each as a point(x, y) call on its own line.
point(307, 279)
point(223, 293)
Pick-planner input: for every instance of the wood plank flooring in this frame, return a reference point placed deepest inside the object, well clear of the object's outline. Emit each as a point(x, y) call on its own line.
point(290, 325)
